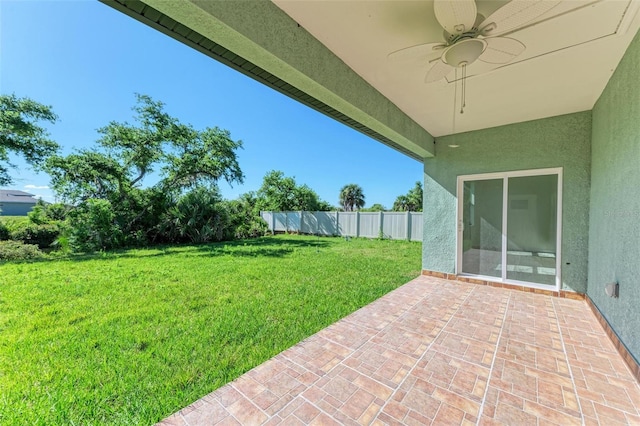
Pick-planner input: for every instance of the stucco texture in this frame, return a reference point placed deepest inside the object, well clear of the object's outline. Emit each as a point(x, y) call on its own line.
point(614, 234)
point(563, 141)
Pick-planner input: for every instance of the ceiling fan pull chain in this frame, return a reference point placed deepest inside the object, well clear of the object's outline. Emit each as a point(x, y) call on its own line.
point(455, 99)
point(463, 100)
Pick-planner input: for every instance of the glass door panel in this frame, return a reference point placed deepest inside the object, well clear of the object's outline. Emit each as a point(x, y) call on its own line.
point(482, 227)
point(532, 229)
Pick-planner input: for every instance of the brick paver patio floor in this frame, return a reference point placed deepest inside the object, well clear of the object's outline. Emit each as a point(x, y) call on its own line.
point(442, 352)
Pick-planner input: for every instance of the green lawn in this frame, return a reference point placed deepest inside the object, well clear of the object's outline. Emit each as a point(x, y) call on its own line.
point(133, 336)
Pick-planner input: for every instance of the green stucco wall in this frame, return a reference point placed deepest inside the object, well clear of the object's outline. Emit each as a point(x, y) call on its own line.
point(562, 141)
point(614, 233)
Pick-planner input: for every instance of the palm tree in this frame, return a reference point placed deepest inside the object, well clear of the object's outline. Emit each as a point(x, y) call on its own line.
point(401, 204)
point(351, 197)
point(411, 201)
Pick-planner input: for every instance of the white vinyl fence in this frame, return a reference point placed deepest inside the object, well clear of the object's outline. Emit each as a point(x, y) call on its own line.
point(393, 225)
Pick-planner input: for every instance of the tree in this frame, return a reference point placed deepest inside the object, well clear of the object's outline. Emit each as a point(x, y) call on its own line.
point(351, 197)
point(20, 134)
point(281, 193)
point(325, 206)
point(401, 204)
point(184, 159)
point(411, 201)
point(377, 207)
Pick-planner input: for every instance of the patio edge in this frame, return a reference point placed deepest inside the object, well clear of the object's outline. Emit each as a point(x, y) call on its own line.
point(453, 277)
point(626, 355)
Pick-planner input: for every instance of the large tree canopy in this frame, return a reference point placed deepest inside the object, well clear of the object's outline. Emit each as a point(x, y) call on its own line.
point(351, 197)
point(182, 156)
point(281, 193)
point(184, 163)
point(20, 134)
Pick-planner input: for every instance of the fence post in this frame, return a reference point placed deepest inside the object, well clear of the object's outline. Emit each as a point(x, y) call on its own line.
point(336, 227)
point(273, 223)
point(301, 230)
point(381, 232)
point(357, 224)
point(408, 225)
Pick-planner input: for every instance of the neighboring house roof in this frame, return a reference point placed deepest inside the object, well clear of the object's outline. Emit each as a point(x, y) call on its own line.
point(14, 196)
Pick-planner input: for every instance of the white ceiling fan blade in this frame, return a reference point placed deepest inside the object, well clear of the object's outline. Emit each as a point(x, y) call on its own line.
point(515, 14)
point(455, 16)
point(501, 50)
point(420, 52)
point(439, 71)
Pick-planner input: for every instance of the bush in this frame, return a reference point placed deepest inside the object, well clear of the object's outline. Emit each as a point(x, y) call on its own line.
point(254, 229)
point(47, 213)
point(198, 217)
point(57, 211)
point(245, 218)
point(17, 250)
point(41, 235)
point(92, 227)
point(38, 214)
point(15, 222)
point(4, 232)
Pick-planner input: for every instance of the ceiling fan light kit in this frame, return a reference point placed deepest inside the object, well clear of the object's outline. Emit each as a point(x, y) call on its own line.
point(464, 52)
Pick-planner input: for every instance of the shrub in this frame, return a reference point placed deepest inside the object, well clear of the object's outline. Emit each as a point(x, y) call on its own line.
point(58, 211)
point(198, 217)
point(245, 218)
point(38, 214)
point(4, 232)
point(17, 250)
point(92, 227)
point(46, 213)
point(62, 243)
point(42, 235)
point(255, 228)
point(14, 223)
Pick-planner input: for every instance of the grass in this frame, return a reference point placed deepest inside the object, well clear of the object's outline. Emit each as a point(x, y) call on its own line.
point(133, 336)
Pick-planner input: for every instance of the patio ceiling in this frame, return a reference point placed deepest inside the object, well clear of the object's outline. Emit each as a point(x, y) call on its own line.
point(572, 51)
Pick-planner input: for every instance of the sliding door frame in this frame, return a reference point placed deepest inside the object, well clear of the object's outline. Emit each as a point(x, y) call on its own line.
point(505, 196)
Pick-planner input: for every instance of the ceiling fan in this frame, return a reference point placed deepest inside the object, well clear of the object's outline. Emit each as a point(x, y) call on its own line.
point(469, 36)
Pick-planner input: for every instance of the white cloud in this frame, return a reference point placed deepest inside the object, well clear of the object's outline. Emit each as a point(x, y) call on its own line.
point(36, 186)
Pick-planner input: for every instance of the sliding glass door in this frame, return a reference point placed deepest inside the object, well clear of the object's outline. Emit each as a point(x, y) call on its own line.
point(482, 230)
point(509, 226)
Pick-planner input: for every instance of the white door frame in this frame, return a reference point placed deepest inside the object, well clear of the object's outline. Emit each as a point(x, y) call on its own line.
point(505, 192)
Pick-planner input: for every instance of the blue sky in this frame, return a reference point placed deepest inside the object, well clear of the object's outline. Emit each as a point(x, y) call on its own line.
point(87, 60)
